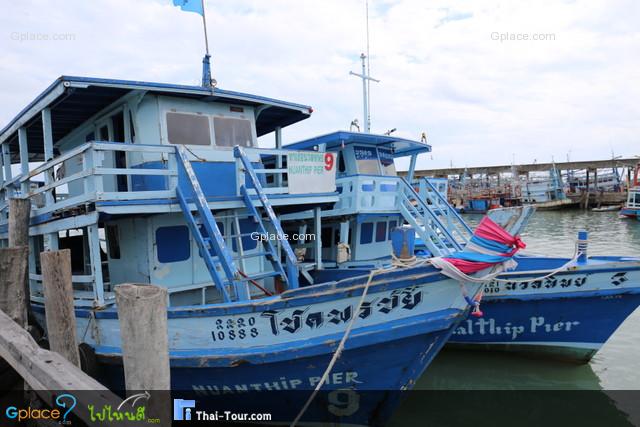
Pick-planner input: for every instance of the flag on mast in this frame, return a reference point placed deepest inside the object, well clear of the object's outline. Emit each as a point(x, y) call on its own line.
point(197, 6)
point(190, 6)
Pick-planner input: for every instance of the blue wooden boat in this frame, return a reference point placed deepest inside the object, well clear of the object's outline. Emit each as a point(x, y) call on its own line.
point(164, 184)
point(567, 315)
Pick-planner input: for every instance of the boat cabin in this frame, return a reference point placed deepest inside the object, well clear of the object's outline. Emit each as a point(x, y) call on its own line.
point(157, 183)
point(374, 200)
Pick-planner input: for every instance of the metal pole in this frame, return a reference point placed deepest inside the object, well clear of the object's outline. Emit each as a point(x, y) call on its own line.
point(365, 96)
point(204, 23)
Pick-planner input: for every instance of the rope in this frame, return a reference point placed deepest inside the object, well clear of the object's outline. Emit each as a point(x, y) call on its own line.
point(396, 263)
point(454, 273)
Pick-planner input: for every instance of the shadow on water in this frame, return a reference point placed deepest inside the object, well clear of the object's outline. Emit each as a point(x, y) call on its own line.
point(468, 388)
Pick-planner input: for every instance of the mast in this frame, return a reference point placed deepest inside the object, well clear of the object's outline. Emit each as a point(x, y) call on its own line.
point(206, 61)
point(366, 79)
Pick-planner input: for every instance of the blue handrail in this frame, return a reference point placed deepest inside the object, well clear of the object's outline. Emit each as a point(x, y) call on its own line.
point(292, 267)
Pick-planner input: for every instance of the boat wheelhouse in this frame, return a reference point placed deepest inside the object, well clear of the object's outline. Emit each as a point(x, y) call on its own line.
point(164, 184)
point(374, 200)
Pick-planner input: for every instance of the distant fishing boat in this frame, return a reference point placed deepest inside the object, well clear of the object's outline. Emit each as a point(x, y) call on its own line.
point(632, 208)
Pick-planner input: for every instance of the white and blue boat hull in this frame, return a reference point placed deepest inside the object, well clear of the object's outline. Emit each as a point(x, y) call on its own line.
point(285, 343)
point(569, 315)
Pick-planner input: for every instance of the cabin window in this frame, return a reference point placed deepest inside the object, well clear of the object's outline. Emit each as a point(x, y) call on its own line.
point(104, 133)
point(381, 231)
point(367, 160)
point(188, 129)
point(230, 132)
point(90, 137)
point(173, 243)
point(386, 161)
point(392, 225)
point(341, 166)
point(366, 233)
point(113, 241)
point(325, 237)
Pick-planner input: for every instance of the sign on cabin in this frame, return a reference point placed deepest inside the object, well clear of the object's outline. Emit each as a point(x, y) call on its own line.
point(311, 172)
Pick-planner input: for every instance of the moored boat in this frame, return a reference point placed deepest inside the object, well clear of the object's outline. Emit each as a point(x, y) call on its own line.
point(164, 184)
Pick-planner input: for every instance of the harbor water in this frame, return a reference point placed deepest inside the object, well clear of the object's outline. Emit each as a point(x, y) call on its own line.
point(488, 388)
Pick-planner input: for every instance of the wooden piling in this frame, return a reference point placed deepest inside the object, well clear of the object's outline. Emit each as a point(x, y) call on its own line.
point(19, 215)
point(142, 314)
point(13, 273)
point(58, 302)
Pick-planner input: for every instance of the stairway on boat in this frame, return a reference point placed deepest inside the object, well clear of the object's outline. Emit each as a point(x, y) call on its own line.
point(439, 227)
point(211, 242)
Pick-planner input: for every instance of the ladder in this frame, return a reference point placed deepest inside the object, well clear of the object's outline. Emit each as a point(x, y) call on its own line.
point(290, 275)
point(426, 218)
point(211, 243)
point(439, 204)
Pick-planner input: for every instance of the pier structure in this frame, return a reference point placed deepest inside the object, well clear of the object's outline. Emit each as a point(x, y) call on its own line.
point(586, 183)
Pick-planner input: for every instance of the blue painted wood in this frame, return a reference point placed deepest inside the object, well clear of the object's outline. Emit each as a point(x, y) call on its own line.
point(272, 256)
point(292, 268)
point(207, 237)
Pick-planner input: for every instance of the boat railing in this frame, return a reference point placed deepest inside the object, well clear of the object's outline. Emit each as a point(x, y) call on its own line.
point(94, 179)
point(272, 170)
point(367, 193)
point(438, 202)
point(90, 177)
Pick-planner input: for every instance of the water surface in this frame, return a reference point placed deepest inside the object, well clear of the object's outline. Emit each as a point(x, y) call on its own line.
point(483, 388)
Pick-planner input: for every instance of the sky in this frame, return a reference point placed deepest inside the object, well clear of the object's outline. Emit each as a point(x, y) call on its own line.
point(474, 75)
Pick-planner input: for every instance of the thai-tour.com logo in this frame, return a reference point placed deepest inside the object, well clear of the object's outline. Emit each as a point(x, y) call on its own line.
point(185, 410)
point(64, 405)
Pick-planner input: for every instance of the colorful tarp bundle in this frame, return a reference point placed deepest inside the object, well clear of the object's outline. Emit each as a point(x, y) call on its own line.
point(489, 245)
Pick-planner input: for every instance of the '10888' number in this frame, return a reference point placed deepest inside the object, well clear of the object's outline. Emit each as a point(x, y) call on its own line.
point(233, 329)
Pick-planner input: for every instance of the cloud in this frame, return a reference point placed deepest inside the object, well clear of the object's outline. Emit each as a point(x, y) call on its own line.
point(480, 100)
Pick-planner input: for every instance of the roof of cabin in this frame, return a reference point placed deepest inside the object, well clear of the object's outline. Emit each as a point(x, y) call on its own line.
point(73, 100)
point(401, 147)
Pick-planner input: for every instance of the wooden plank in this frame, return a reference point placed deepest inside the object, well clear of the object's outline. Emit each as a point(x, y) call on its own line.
point(136, 195)
point(66, 180)
point(71, 201)
point(140, 148)
point(46, 371)
point(133, 171)
point(58, 302)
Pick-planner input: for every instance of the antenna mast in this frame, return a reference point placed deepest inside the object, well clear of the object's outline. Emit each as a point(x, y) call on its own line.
point(366, 78)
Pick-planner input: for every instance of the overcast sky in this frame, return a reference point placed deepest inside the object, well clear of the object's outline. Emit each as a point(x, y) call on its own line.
point(481, 101)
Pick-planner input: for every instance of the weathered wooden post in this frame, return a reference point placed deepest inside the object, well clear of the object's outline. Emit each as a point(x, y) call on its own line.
point(58, 303)
point(13, 272)
point(19, 214)
point(142, 313)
